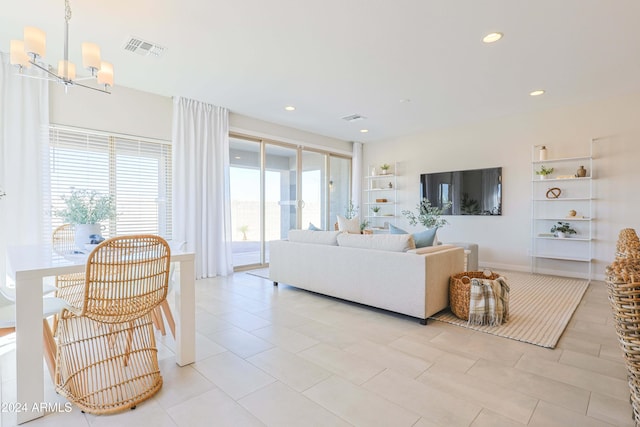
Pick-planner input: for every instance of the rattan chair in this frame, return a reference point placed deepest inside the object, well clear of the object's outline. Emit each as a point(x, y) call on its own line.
point(63, 243)
point(623, 288)
point(107, 356)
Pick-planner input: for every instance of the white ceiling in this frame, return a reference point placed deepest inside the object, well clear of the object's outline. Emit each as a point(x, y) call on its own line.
point(334, 58)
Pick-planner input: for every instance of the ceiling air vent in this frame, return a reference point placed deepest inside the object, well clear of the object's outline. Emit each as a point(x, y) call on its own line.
point(353, 118)
point(144, 48)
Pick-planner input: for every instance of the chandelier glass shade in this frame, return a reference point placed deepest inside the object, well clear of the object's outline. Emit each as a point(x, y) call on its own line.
point(30, 51)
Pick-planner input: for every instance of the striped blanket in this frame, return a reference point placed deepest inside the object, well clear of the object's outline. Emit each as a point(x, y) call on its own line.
point(489, 302)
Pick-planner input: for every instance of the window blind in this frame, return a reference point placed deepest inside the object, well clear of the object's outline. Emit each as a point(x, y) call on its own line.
point(136, 172)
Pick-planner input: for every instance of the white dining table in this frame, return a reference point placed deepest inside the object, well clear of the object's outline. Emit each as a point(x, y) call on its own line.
point(28, 266)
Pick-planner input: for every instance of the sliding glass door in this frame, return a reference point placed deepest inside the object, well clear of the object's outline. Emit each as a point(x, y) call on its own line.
point(277, 187)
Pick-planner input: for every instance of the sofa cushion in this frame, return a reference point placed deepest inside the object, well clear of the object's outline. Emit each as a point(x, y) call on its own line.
point(381, 242)
point(317, 237)
point(422, 238)
point(349, 225)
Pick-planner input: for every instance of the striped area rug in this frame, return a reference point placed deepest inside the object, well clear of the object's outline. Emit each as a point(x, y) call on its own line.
point(540, 308)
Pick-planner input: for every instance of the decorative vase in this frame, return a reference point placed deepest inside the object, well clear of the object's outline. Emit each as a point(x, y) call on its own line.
point(383, 172)
point(373, 171)
point(560, 235)
point(83, 231)
point(543, 176)
point(543, 153)
point(581, 172)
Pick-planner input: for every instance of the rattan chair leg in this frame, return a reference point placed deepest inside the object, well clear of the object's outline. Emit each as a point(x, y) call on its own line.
point(164, 305)
point(129, 342)
point(49, 349)
point(158, 322)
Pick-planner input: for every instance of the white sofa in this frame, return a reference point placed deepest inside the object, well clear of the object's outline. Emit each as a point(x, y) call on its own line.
point(383, 271)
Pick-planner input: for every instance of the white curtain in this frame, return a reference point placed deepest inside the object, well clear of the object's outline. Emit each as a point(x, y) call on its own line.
point(356, 180)
point(24, 121)
point(201, 198)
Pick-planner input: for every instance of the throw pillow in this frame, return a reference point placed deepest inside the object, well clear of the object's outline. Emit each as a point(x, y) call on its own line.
point(395, 230)
point(422, 238)
point(313, 227)
point(425, 238)
point(349, 225)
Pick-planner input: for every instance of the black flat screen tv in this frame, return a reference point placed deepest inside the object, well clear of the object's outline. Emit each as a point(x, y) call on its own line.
point(471, 192)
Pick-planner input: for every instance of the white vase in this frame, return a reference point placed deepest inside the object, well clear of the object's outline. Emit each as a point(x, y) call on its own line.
point(83, 231)
point(543, 176)
point(560, 235)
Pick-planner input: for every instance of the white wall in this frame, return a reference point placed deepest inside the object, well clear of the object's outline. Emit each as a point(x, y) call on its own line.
point(505, 240)
point(125, 111)
point(259, 128)
point(132, 112)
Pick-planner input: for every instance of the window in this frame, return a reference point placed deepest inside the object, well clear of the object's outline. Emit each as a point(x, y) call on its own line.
point(135, 171)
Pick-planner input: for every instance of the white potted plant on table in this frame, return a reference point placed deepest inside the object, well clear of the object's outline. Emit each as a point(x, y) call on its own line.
point(86, 209)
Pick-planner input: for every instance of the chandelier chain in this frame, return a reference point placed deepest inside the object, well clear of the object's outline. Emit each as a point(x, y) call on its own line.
point(67, 11)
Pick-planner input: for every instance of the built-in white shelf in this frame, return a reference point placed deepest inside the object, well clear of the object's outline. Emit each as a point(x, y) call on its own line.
point(567, 159)
point(562, 258)
point(545, 247)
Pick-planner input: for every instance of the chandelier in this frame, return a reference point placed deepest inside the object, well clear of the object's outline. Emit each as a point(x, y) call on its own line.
point(26, 53)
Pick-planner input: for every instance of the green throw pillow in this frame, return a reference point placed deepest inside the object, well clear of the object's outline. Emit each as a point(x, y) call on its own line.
point(423, 238)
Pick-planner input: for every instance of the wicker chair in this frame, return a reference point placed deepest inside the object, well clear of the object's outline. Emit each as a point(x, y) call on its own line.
point(107, 357)
point(623, 287)
point(63, 243)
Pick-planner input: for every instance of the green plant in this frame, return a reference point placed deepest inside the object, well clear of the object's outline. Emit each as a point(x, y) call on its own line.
point(385, 166)
point(563, 227)
point(375, 209)
point(363, 225)
point(351, 211)
point(544, 171)
point(86, 207)
point(243, 229)
point(429, 216)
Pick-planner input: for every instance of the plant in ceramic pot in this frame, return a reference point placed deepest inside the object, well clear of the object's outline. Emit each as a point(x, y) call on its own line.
point(543, 172)
point(427, 215)
point(86, 209)
point(562, 229)
point(385, 168)
point(375, 210)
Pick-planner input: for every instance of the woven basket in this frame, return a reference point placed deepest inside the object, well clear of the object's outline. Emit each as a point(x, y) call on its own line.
point(460, 291)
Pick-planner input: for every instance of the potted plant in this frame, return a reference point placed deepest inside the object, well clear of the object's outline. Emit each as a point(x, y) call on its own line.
point(543, 172)
point(375, 210)
point(429, 216)
point(86, 209)
point(562, 229)
point(384, 168)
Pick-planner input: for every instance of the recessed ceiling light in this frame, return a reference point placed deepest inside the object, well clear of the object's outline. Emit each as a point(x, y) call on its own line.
point(405, 100)
point(364, 130)
point(237, 157)
point(290, 108)
point(536, 92)
point(492, 37)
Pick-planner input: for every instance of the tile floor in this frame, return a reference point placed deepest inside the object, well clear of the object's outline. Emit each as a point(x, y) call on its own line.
point(279, 356)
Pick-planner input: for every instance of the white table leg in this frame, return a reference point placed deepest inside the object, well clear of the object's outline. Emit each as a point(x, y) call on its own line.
point(29, 350)
point(185, 294)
